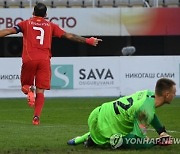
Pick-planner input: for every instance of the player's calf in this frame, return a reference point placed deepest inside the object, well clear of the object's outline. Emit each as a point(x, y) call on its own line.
point(73, 141)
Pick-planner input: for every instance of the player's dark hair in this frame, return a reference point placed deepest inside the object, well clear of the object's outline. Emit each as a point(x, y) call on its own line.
point(40, 10)
point(163, 84)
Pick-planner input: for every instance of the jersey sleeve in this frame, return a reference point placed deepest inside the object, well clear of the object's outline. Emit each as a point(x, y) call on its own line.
point(17, 28)
point(143, 117)
point(56, 30)
point(21, 26)
point(156, 124)
point(137, 130)
point(146, 112)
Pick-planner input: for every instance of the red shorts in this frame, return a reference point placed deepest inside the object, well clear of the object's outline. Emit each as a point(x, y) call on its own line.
point(36, 72)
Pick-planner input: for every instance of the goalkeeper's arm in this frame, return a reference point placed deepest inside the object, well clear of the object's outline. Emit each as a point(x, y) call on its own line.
point(155, 123)
point(164, 138)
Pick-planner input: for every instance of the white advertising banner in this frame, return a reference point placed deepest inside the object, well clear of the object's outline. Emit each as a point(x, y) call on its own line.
point(95, 76)
point(72, 77)
point(84, 21)
point(85, 76)
point(142, 72)
point(10, 73)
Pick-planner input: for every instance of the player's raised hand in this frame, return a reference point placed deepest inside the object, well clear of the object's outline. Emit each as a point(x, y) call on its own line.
point(93, 41)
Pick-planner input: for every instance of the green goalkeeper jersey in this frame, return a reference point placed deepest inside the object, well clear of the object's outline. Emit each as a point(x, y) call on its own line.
point(124, 115)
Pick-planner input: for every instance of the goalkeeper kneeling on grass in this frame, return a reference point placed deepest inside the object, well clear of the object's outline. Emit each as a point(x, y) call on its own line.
point(122, 123)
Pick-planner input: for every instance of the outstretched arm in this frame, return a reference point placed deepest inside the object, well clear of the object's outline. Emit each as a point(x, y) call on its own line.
point(155, 123)
point(8, 31)
point(164, 138)
point(92, 41)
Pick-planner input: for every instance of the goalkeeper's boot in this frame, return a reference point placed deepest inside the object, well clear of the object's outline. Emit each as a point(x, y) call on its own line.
point(72, 141)
point(29, 91)
point(36, 120)
point(89, 142)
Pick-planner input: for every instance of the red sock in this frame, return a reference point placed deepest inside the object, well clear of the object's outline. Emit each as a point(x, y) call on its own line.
point(39, 104)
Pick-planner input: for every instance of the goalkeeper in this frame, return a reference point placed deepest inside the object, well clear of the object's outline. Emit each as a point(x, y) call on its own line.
point(118, 122)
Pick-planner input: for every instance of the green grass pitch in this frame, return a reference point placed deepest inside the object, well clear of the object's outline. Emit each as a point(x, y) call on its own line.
point(63, 119)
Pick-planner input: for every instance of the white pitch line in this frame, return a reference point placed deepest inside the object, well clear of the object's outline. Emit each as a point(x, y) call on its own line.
point(51, 126)
point(171, 131)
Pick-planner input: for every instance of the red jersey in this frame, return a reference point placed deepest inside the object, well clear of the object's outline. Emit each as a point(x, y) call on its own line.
point(37, 38)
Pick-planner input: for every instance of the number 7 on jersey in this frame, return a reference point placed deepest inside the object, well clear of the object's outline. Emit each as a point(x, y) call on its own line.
point(41, 37)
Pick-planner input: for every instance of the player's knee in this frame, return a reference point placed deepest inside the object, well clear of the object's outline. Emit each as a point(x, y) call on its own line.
point(39, 90)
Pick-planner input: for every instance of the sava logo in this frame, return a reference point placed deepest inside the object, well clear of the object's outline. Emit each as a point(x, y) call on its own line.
point(62, 77)
point(96, 77)
point(95, 74)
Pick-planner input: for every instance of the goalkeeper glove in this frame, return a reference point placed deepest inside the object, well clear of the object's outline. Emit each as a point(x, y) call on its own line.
point(164, 139)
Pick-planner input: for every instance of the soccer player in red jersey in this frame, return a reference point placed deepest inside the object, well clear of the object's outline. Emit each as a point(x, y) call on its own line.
point(36, 69)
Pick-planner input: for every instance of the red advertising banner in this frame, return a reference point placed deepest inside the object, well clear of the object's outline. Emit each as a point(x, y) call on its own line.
point(137, 21)
point(152, 21)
